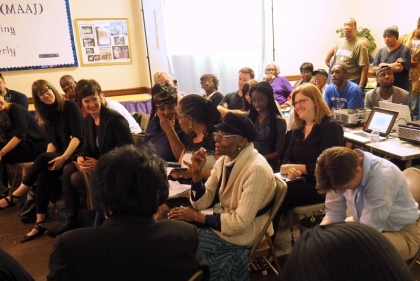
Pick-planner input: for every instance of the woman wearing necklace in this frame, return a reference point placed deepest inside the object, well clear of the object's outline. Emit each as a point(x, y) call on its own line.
point(314, 131)
point(281, 86)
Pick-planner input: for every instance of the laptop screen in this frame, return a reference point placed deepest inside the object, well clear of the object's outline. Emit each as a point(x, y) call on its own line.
point(382, 120)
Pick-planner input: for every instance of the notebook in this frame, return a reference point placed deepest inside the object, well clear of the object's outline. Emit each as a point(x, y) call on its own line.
point(404, 115)
point(380, 119)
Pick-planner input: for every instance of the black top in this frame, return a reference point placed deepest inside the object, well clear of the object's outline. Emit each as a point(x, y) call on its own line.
point(112, 132)
point(63, 126)
point(17, 97)
point(233, 100)
point(216, 98)
point(306, 151)
point(24, 126)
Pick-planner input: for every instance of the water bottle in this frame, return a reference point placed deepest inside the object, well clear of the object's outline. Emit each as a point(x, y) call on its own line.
point(374, 136)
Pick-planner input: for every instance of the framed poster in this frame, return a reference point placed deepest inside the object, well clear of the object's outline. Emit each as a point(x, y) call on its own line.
point(103, 41)
point(36, 35)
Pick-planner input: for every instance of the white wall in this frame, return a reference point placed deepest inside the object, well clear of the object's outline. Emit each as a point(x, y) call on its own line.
point(109, 77)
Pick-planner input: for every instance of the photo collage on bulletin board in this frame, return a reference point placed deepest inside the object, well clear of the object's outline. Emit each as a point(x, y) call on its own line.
point(103, 41)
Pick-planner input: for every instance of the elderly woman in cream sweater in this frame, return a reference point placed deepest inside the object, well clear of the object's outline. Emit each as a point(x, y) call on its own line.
point(244, 184)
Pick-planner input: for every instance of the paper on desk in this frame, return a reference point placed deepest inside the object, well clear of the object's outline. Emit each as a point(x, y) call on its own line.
point(176, 189)
point(284, 178)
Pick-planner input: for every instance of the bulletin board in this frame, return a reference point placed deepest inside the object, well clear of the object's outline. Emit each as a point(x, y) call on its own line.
point(103, 41)
point(36, 35)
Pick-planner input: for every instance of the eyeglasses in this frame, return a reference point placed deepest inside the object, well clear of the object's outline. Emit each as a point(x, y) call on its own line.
point(300, 102)
point(270, 69)
point(43, 92)
point(220, 136)
point(318, 76)
point(207, 81)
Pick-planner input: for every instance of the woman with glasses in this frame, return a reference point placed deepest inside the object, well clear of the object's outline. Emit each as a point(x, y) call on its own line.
point(210, 83)
point(63, 124)
point(271, 127)
point(315, 130)
point(244, 185)
point(281, 86)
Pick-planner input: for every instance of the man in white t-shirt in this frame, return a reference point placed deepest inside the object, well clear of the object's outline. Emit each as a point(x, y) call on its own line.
point(386, 90)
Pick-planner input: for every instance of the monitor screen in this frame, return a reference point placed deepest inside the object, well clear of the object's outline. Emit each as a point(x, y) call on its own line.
point(382, 120)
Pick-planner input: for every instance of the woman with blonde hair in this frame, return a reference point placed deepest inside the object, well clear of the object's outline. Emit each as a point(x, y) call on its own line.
point(315, 130)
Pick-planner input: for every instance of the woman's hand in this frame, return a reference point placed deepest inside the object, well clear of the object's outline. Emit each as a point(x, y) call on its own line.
point(57, 163)
point(183, 214)
point(198, 160)
point(166, 123)
point(88, 164)
point(290, 171)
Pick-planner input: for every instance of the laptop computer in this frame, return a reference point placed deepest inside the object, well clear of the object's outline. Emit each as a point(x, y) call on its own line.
point(404, 115)
point(380, 119)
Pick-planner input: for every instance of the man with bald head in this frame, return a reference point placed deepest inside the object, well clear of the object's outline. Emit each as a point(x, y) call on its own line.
point(342, 93)
point(352, 53)
point(68, 84)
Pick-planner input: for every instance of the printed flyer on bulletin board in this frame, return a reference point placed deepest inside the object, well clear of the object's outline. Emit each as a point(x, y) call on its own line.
point(103, 41)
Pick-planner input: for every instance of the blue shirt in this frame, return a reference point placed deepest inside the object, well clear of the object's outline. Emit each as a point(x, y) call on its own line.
point(383, 199)
point(350, 97)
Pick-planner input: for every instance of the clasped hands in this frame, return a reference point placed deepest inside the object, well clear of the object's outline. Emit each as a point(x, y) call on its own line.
point(290, 171)
point(86, 163)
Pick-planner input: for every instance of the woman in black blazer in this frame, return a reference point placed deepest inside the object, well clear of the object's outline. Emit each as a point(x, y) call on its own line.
point(105, 129)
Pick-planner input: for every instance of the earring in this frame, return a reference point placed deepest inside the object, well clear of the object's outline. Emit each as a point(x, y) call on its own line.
point(190, 125)
point(239, 148)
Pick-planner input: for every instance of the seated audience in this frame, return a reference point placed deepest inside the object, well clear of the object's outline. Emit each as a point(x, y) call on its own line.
point(315, 130)
point(11, 95)
point(281, 86)
point(210, 83)
point(320, 79)
point(386, 91)
point(163, 131)
point(11, 270)
point(104, 129)
point(63, 125)
point(21, 139)
point(234, 100)
point(68, 84)
point(342, 93)
point(344, 251)
point(271, 127)
point(128, 184)
point(306, 70)
point(375, 191)
point(244, 184)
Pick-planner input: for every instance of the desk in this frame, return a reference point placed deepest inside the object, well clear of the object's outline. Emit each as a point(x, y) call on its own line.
point(393, 147)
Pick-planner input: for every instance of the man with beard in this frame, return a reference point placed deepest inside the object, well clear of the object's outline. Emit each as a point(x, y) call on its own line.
point(342, 93)
point(386, 90)
point(395, 55)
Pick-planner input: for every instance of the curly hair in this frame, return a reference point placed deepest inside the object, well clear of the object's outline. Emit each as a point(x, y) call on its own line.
point(212, 77)
point(129, 180)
